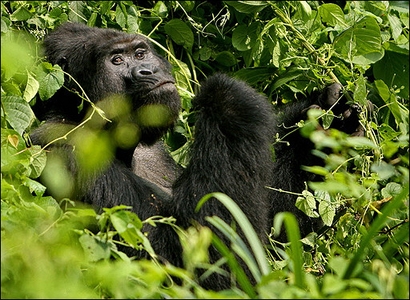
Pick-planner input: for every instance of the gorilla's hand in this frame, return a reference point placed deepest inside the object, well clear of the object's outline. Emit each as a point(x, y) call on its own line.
point(346, 115)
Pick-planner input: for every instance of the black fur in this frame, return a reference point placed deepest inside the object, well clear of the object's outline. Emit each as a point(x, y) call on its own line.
point(231, 153)
point(233, 132)
point(295, 151)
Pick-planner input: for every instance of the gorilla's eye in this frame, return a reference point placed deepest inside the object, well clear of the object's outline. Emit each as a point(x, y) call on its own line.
point(140, 54)
point(117, 60)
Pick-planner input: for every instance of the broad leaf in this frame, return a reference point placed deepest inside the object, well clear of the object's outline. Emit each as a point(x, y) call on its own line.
point(226, 59)
point(180, 33)
point(397, 72)
point(327, 212)
point(50, 78)
point(128, 226)
point(94, 248)
point(247, 7)
point(18, 113)
point(244, 37)
point(307, 204)
point(31, 89)
point(332, 14)
point(361, 44)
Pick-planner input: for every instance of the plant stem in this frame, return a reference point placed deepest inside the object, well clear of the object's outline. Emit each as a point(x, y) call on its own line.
point(288, 22)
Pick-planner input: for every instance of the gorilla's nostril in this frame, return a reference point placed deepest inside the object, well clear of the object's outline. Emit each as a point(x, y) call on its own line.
point(145, 72)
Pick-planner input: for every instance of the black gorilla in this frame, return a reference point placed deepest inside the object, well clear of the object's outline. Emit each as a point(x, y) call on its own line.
point(107, 64)
point(231, 153)
point(296, 152)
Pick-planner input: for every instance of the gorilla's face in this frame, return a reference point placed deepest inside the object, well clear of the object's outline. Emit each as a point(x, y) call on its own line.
point(133, 69)
point(133, 66)
point(111, 65)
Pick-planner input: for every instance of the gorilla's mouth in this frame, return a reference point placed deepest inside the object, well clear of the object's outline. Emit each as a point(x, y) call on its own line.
point(163, 83)
point(161, 87)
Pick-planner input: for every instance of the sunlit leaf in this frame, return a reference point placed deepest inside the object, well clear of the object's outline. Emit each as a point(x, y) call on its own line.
point(94, 248)
point(361, 43)
point(332, 14)
point(18, 112)
point(327, 212)
point(307, 204)
point(31, 88)
point(247, 7)
point(180, 33)
point(50, 78)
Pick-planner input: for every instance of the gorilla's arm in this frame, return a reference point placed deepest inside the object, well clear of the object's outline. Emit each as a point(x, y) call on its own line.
point(295, 150)
point(111, 184)
point(154, 164)
point(232, 138)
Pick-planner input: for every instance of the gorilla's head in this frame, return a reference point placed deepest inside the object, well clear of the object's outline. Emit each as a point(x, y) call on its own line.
point(111, 65)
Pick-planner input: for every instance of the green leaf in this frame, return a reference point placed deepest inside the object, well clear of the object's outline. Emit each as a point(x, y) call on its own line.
point(128, 225)
point(332, 14)
point(391, 100)
point(76, 11)
point(392, 189)
point(21, 14)
point(393, 69)
point(182, 74)
point(290, 74)
point(246, 227)
point(93, 18)
point(18, 113)
point(377, 224)
point(50, 78)
point(395, 26)
point(383, 170)
point(293, 234)
point(255, 75)
point(205, 53)
point(17, 55)
point(226, 59)
point(244, 37)
point(361, 44)
point(316, 170)
point(120, 17)
point(327, 211)
point(327, 119)
point(383, 90)
point(31, 89)
point(161, 9)
point(247, 7)
point(333, 284)
point(180, 33)
point(306, 7)
point(360, 93)
point(94, 248)
point(360, 142)
point(34, 186)
point(37, 161)
point(237, 244)
point(243, 280)
point(307, 204)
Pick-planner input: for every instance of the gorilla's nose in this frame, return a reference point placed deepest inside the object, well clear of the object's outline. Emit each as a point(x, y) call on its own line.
point(145, 72)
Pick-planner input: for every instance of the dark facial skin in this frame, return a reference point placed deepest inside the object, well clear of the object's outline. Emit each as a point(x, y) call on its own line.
point(137, 69)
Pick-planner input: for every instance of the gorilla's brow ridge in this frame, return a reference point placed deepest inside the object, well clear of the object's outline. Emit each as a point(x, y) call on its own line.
point(128, 47)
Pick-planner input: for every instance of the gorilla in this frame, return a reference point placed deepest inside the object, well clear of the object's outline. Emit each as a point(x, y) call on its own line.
point(124, 76)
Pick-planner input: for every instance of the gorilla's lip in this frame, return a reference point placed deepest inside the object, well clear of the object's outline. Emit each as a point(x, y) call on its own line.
point(162, 83)
point(166, 84)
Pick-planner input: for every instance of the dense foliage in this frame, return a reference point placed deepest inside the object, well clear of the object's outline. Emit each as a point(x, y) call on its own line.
point(283, 49)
